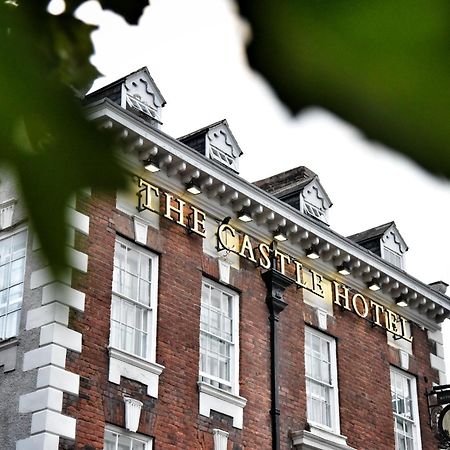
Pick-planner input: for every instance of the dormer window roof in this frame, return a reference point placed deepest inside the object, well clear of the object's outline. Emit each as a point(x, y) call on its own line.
point(216, 141)
point(136, 92)
point(385, 241)
point(300, 188)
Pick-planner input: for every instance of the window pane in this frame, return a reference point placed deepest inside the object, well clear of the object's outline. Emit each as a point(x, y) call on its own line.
point(216, 336)
point(12, 257)
point(17, 269)
point(319, 378)
point(15, 297)
point(12, 324)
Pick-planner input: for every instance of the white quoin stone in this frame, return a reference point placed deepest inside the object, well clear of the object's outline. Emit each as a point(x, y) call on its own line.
point(220, 439)
point(44, 315)
point(42, 441)
point(43, 356)
point(132, 413)
point(47, 398)
point(51, 376)
point(59, 292)
point(53, 422)
point(55, 333)
point(140, 230)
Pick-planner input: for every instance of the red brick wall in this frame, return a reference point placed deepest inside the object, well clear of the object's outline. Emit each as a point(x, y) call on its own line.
point(364, 357)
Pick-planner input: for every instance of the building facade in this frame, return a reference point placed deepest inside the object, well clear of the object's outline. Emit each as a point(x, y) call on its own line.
point(202, 311)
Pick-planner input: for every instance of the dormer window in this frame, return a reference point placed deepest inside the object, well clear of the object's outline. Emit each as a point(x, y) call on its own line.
point(385, 241)
point(135, 102)
point(216, 142)
point(301, 189)
point(137, 93)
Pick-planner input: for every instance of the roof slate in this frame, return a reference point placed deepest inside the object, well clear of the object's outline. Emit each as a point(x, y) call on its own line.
point(372, 233)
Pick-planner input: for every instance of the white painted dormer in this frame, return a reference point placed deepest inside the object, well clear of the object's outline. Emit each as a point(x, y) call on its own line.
point(216, 142)
point(314, 201)
point(222, 146)
point(393, 247)
point(141, 95)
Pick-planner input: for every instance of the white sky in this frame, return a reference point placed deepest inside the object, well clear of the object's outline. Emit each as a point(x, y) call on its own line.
point(195, 53)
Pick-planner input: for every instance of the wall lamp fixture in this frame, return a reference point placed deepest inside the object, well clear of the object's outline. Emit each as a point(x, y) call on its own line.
point(151, 165)
point(343, 270)
point(401, 301)
point(193, 188)
point(312, 253)
point(374, 286)
point(244, 215)
point(280, 236)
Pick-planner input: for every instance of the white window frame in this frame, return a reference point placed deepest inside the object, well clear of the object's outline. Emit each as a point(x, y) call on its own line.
point(334, 397)
point(123, 363)
point(148, 441)
point(10, 235)
point(212, 398)
point(415, 421)
point(234, 343)
point(151, 307)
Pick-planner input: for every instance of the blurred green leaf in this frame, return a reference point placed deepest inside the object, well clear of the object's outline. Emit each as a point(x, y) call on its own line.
point(44, 137)
point(383, 66)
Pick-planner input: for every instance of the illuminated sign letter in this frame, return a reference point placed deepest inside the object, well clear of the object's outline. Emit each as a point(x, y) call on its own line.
point(264, 259)
point(145, 195)
point(227, 237)
point(363, 302)
point(177, 210)
point(199, 224)
point(284, 259)
point(338, 296)
point(377, 309)
point(247, 247)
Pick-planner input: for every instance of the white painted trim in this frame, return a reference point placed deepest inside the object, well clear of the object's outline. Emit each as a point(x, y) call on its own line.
point(153, 301)
point(55, 333)
point(132, 413)
point(134, 368)
point(335, 417)
point(47, 398)
point(115, 429)
point(51, 376)
point(140, 230)
point(415, 406)
point(212, 398)
point(77, 220)
point(43, 356)
point(44, 276)
point(53, 422)
point(42, 441)
point(106, 108)
point(319, 440)
point(59, 292)
point(53, 312)
point(234, 358)
point(220, 439)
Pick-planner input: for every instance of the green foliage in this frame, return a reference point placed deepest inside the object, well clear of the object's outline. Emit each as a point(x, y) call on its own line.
point(383, 66)
point(44, 137)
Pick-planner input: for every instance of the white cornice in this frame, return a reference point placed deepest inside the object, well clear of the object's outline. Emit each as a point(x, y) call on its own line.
point(275, 209)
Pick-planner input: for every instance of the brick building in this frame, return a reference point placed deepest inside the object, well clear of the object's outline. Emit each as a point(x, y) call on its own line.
point(205, 312)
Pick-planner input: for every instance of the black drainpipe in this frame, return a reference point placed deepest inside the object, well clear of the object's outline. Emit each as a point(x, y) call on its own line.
point(276, 284)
